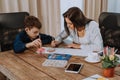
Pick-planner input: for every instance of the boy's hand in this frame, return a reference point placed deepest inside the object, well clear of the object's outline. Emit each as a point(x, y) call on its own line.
point(36, 43)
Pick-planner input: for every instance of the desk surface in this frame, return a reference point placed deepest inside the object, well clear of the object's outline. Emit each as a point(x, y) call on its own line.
point(28, 66)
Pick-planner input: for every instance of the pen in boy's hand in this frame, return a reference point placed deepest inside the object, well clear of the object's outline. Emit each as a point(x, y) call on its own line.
point(40, 41)
point(39, 36)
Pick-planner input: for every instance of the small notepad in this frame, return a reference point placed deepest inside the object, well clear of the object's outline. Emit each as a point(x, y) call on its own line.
point(55, 63)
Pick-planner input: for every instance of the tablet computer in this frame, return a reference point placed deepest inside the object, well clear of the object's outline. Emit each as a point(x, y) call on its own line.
point(74, 67)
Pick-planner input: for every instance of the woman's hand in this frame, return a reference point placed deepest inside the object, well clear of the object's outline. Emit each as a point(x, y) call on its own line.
point(36, 43)
point(73, 45)
point(54, 43)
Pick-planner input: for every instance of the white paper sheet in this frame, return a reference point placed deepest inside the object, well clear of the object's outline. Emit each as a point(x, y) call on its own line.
point(75, 52)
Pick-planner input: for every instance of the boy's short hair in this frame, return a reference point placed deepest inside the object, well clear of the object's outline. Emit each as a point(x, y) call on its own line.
point(32, 21)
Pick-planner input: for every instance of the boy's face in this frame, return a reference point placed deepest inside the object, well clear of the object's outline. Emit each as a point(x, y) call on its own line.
point(33, 32)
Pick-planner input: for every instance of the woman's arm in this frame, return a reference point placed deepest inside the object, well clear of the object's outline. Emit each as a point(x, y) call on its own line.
point(59, 38)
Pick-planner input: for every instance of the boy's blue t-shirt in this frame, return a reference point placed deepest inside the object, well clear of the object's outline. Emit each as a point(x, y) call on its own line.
point(22, 38)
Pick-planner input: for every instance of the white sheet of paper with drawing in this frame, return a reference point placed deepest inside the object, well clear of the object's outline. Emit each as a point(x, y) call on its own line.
point(75, 52)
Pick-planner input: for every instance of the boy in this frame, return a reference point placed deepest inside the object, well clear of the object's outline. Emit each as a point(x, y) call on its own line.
point(30, 36)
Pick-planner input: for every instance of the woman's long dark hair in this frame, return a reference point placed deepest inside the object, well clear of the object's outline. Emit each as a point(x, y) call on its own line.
point(76, 16)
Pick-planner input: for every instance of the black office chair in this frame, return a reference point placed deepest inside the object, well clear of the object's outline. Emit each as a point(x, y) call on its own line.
point(10, 25)
point(109, 24)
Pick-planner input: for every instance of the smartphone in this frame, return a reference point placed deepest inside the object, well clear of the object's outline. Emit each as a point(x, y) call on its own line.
point(74, 67)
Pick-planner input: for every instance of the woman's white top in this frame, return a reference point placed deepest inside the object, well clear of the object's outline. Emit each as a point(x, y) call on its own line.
point(92, 39)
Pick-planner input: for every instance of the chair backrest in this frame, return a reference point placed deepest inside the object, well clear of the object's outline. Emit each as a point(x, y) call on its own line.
point(10, 25)
point(109, 24)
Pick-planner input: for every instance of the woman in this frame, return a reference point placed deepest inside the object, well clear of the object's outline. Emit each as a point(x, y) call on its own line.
point(85, 32)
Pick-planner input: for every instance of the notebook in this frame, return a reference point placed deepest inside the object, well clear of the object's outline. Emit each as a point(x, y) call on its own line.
point(55, 63)
point(57, 56)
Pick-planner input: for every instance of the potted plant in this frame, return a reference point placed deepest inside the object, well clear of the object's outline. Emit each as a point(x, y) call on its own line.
point(109, 61)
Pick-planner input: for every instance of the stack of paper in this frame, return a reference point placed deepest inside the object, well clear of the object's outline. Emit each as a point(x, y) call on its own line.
point(55, 63)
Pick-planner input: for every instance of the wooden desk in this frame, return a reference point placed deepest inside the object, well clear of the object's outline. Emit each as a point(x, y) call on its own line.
point(28, 66)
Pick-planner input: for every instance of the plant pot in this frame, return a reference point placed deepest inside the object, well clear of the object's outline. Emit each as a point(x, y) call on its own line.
point(108, 72)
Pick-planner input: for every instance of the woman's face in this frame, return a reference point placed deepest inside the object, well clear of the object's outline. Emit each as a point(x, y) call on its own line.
point(33, 32)
point(80, 29)
point(69, 23)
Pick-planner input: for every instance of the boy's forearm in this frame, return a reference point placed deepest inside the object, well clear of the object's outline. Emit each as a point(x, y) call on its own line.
point(28, 45)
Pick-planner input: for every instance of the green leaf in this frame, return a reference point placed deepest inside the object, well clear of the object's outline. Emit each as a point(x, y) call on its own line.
point(106, 64)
